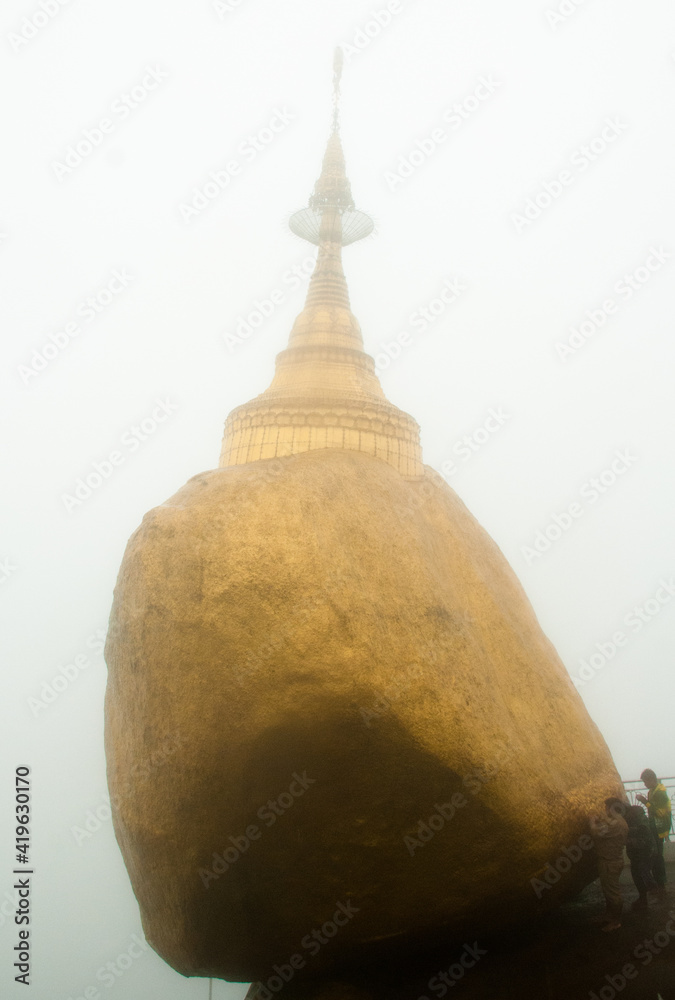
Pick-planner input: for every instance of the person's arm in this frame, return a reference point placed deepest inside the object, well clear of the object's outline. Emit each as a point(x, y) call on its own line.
point(606, 826)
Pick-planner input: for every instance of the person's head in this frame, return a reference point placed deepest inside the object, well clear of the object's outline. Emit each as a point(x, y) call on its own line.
point(615, 807)
point(634, 815)
point(648, 778)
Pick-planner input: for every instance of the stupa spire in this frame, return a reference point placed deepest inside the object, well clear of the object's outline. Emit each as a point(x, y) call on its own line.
point(338, 63)
point(325, 393)
point(331, 220)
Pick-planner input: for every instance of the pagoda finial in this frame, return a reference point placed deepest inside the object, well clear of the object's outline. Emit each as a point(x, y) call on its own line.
point(338, 63)
point(331, 216)
point(325, 392)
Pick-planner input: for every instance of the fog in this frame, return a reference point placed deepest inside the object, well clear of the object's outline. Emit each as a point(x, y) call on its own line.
point(521, 157)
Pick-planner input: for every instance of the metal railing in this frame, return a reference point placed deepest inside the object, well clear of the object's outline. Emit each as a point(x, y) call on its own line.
point(636, 785)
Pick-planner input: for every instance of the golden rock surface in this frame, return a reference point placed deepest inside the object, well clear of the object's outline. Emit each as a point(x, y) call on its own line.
point(324, 634)
point(334, 728)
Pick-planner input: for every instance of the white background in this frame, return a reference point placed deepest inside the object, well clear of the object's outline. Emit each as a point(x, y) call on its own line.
point(162, 337)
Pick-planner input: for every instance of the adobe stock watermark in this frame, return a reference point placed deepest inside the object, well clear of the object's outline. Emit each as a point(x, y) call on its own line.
point(445, 979)
point(257, 658)
point(384, 700)
point(9, 906)
point(415, 500)
point(103, 469)
point(248, 150)
point(110, 973)
point(420, 320)
point(301, 612)
point(474, 782)
point(32, 25)
point(589, 494)
point(470, 444)
point(551, 873)
point(65, 677)
point(95, 136)
point(563, 12)
point(427, 829)
point(580, 160)
point(7, 569)
point(264, 308)
point(645, 953)
point(454, 117)
point(312, 943)
point(225, 7)
point(268, 469)
point(634, 622)
point(87, 310)
point(371, 29)
point(268, 813)
point(139, 771)
point(626, 287)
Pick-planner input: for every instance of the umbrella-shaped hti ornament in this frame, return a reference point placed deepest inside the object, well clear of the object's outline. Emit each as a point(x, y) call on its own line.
point(331, 713)
point(332, 214)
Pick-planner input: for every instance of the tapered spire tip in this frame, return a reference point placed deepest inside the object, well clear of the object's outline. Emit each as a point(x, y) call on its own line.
point(331, 216)
point(338, 63)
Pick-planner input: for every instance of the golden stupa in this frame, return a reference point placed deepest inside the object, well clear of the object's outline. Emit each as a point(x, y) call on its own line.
point(334, 728)
point(325, 393)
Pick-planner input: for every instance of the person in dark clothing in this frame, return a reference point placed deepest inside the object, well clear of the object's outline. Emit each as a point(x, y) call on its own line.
point(641, 850)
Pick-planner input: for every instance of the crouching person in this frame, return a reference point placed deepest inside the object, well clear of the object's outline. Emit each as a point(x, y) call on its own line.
point(610, 833)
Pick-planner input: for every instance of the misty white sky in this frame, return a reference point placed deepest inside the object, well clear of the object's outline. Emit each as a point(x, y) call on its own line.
point(535, 96)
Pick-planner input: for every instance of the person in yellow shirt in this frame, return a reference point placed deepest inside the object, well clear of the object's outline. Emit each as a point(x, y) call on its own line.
point(660, 820)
